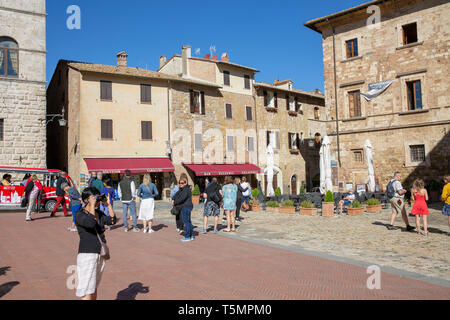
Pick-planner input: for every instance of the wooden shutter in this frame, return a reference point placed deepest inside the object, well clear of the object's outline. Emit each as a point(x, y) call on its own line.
point(287, 103)
point(146, 130)
point(275, 96)
point(203, 106)
point(108, 90)
point(268, 137)
point(191, 93)
point(247, 82)
point(1, 129)
point(358, 104)
point(266, 99)
point(229, 112)
point(226, 78)
point(102, 90)
point(146, 93)
point(351, 104)
point(297, 142)
point(296, 104)
point(277, 140)
point(249, 113)
point(289, 140)
point(417, 94)
point(106, 129)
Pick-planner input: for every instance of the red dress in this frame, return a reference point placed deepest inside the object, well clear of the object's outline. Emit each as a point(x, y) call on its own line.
point(420, 206)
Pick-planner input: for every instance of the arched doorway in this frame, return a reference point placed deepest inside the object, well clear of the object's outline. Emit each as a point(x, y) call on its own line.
point(294, 190)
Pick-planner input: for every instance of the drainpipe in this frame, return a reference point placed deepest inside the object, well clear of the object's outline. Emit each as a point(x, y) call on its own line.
point(335, 95)
point(168, 115)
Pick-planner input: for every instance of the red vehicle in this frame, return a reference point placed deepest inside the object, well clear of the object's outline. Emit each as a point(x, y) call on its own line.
point(11, 196)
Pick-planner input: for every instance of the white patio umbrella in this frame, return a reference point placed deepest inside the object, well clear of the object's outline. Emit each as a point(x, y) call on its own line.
point(327, 163)
point(322, 171)
point(369, 160)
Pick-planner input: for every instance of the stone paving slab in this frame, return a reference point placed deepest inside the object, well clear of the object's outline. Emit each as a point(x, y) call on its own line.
point(34, 258)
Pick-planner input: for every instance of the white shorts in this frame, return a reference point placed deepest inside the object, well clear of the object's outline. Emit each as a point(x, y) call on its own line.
point(147, 209)
point(89, 271)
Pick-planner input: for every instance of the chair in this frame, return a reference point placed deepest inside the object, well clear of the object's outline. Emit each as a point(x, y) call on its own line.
point(317, 199)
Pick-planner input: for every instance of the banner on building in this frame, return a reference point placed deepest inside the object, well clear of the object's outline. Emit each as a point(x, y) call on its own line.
point(375, 89)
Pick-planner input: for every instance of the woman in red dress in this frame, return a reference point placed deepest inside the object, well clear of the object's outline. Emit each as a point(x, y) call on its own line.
point(420, 208)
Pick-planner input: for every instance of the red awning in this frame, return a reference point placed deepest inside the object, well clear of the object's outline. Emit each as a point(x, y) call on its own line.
point(135, 165)
point(223, 169)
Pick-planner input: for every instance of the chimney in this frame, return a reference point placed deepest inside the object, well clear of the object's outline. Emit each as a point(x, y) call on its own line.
point(185, 55)
point(162, 61)
point(225, 57)
point(122, 59)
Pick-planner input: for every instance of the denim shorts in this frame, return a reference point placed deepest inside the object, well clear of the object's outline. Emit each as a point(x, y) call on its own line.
point(446, 210)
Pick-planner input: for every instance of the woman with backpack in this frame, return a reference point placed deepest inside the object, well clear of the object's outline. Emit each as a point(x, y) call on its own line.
point(147, 192)
point(213, 195)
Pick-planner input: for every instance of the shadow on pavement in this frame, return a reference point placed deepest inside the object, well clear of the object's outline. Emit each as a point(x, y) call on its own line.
point(3, 270)
point(132, 291)
point(7, 287)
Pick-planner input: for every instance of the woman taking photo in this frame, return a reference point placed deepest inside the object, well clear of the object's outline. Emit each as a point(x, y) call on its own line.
point(183, 199)
point(229, 202)
point(90, 222)
point(147, 192)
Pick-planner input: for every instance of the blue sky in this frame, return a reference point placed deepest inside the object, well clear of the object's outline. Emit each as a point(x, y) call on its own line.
point(266, 35)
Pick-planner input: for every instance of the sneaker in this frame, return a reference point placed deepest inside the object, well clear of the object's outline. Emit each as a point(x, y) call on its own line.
point(215, 231)
point(150, 231)
point(145, 230)
point(409, 228)
point(136, 230)
point(186, 239)
point(178, 230)
point(192, 238)
point(126, 229)
point(390, 227)
point(204, 231)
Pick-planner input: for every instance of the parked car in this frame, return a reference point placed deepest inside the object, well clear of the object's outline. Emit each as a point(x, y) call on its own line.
point(11, 196)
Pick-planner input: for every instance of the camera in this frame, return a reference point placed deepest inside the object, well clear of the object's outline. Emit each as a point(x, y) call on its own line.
point(101, 198)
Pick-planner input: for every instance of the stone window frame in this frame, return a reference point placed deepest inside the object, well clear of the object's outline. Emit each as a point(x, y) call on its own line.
point(5, 57)
point(251, 113)
point(112, 130)
point(142, 130)
point(231, 110)
point(355, 163)
point(399, 28)
point(347, 102)
point(404, 91)
point(414, 142)
point(344, 40)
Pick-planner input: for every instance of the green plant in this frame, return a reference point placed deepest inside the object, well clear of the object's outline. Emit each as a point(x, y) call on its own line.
point(302, 189)
point(372, 202)
point(288, 203)
point(196, 190)
point(329, 197)
point(272, 204)
point(278, 192)
point(254, 202)
point(255, 193)
point(307, 204)
point(356, 204)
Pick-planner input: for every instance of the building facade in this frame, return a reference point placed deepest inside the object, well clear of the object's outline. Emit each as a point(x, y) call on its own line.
point(405, 54)
point(22, 83)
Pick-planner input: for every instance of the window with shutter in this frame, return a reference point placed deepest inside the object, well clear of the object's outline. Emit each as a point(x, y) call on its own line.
point(288, 107)
point(414, 95)
point(230, 143)
point(226, 78)
point(297, 141)
point(191, 100)
point(198, 142)
point(203, 105)
point(146, 93)
point(1, 129)
point(277, 140)
point(106, 90)
point(290, 140)
point(352, 48)
point(251, 146)
point(267, 138)
point(246, 81)
point(229, 113)
point(146, 129)
point(266, 99)
point(106, 129)
point(248, 111)
point(354, 102)
point(410, 33)
point(275, 97)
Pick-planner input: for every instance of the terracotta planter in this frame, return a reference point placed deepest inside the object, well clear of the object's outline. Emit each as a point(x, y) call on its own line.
point(254, 207)
point(327, 209)
point(374, 209)
point(195, 199)
point(287, 210)
point(271, 209)
point(308, 211)
point(355, 211)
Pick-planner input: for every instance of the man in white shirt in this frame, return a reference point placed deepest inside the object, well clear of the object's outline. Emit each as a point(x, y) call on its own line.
point(398, 203)
point(127, 193)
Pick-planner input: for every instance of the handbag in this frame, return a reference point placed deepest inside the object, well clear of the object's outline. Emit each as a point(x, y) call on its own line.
point(104, 251)
point(175, 211)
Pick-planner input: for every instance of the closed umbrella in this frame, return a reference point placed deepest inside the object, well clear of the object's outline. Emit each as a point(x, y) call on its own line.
point(322, 171)
point(327, 163)
point(369, 160)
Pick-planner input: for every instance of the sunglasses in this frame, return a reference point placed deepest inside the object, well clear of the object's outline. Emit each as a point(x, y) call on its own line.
point(182, 182)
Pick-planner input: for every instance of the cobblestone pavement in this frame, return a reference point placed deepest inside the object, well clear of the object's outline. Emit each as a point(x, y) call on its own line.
point(362, 238)
point(35, 257)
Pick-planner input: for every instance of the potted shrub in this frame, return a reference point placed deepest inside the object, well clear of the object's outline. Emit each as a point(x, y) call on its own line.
point(308, 208)
point(278, 193)
point(287, 207)
point(373, 205)
point(302, 189)
point(254, 205)
point(196, 194)
point(328, 205)
point(272, 206)
point(356, 208)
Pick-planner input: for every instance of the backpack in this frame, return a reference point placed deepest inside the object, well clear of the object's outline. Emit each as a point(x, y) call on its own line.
point(390, 189)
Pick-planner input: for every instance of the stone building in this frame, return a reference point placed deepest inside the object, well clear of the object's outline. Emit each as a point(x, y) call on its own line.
point(117, 119)
point(406, 54)
point(22, 83)
point(292, 118)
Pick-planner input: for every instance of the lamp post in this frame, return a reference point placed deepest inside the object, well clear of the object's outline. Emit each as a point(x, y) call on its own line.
point(62, 121)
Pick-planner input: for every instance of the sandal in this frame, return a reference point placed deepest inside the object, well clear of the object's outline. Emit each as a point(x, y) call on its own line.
point(226, 230)
point(233, 230)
